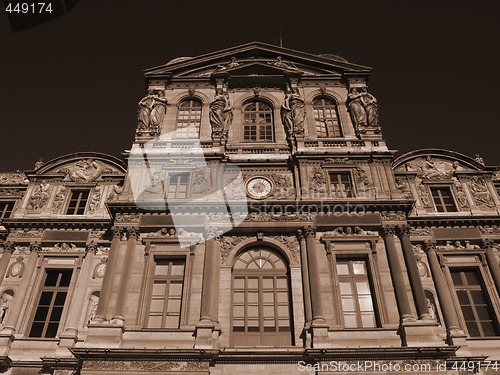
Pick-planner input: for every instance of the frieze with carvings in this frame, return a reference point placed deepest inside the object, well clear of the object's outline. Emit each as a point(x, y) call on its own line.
point(59, 200)
point(430, 168)
point(393, 216)
point(424, 195)
point(494, 229)
point(425, 231)
point(350, 231)
point(11, 192)
point(336, 160)
point(200, 181)
point(17, 178)
point(127, 218)
point(145, 366)
point(460, 195)
point(94, 199)
point(266, 216)
point(317, 181)
point(458, 245)
point(363, 183)
point(404, 187)
point(26, 233)
point(85, 170)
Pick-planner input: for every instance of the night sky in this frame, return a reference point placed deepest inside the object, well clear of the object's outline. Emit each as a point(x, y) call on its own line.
point(73, 84)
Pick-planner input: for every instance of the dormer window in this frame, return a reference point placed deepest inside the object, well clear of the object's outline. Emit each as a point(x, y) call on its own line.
point(443, 199)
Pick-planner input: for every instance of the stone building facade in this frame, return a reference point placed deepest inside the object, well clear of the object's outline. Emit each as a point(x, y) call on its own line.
point(258, 224)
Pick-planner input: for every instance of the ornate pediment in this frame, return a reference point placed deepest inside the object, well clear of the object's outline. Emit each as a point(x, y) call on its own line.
point(256, 59)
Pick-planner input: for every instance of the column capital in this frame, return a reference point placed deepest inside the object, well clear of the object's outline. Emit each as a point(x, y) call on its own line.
point(309, 231)
point(35, 246)
point(133, 232)
point(403, 230)
point(388, 231)
point(117, 232)
point(8, 246)
point(430, 245)
point(91, 247)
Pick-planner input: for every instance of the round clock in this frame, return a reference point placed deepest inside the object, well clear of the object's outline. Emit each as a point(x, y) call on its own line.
point(259, 187)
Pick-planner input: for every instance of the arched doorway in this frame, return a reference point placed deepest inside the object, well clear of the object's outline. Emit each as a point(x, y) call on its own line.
point(261, 303)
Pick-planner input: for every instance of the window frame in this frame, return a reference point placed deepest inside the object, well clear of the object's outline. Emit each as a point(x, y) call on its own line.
point(70, 198)
point(41, 288)
point(179, 175)
point(339, 172)
point(190, 110)
point(334, 107)
point(4, 210)
point(454, 261)
point(440, 187)
point(272, 123)
point(260, 275)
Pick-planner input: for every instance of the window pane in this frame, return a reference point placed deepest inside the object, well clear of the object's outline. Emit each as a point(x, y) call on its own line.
point(359, 268)
point(342, 269)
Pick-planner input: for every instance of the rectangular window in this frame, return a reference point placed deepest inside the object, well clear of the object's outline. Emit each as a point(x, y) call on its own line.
point(443, 200)
point(355, 294)
point(6, 209)
point(178, 186)
point(341, 185)
point(166, 294)
point(51, 303)
point(78, 202)
point(476, 308)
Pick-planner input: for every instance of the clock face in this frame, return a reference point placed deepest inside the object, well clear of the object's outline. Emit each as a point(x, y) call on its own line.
point(259, 187)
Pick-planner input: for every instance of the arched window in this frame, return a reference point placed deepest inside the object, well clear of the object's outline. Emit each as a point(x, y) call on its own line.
point(326, 117)
point(258, 122)
point(188, 119)
point(261, 300)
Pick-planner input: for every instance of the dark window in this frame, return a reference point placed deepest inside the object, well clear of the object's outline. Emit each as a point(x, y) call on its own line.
point(476, 308)
point(78, 202)
point(326, 118)
point(261, 300)
point(443, 200)
point(178, 185)
point(355, 294)
point(6, 209)
point(258, 122)
point(166, 294)
point(189, 119)
point(341, 185)
point(51, 303)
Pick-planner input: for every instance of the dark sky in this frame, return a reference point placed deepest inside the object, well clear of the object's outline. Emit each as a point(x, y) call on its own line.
point(73, 84)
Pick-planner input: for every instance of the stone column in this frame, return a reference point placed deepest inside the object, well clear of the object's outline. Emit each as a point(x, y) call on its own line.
point(20, 295)
point(8, 249)
point(305, 279)
point(492, 263)
point(413, 275)
point(397, 275)
point(107, 282)
point(79, 295)
point(121, 300)
point(443, 293)
point(315, 285)
point(211, 275)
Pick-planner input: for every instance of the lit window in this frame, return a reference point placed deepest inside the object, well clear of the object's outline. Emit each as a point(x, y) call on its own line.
point(443, 200)
point(166, 294)
point(341, 185)
point(476, 308)
point(178, 186)
point(188, 119)
point(51, 303)
point(326, 118)
point(258, 122)
point(261, 300)
point(6, 209)
point(355, 294)
point(78, 202)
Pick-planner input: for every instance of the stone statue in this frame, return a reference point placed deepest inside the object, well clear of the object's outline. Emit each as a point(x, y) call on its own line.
point(356, 108)
point(293, 113)
point(94, 199)
point(221, 114)
point(59, 200)
point(94, 301)
point(151, 111)
point(39, 163)
point(85, 170)
point(479, 159)
point(371, 107)
point(39, 197)
point(5, 301)
point(429, 169)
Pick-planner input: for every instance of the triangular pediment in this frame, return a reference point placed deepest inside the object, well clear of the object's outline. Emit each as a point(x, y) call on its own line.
point(256, 59)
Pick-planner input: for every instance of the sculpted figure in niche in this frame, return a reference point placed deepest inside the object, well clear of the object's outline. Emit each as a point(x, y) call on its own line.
point(480, 192)
point(371, 107)
point(5, 301)
point(356, 107)
point(59, 200)
point(221, 113)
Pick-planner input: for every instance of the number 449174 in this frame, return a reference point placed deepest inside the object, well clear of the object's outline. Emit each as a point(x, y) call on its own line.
point(32, 8)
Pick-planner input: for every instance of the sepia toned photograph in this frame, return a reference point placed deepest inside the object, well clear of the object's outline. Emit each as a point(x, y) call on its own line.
point(222, 188)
